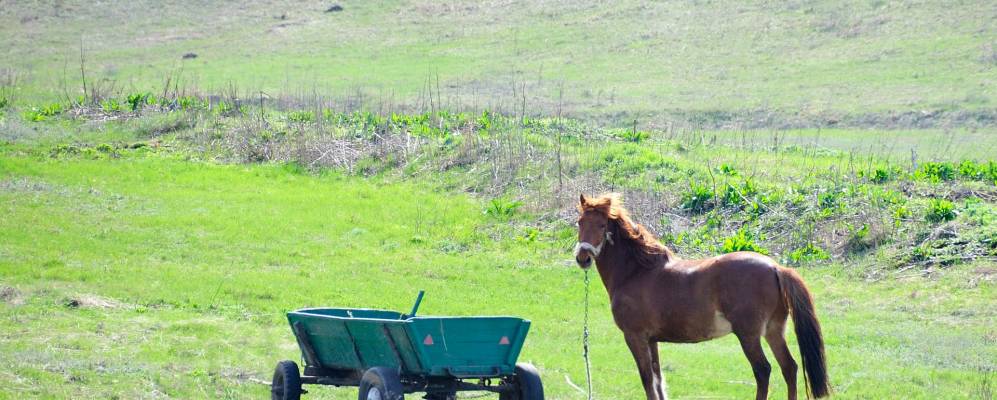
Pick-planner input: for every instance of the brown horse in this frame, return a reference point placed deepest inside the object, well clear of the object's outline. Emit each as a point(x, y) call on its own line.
point(656, 297)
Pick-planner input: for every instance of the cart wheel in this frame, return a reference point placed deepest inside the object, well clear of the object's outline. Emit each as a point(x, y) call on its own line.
point(527, 379)
point(380, 383)
point(286, 382)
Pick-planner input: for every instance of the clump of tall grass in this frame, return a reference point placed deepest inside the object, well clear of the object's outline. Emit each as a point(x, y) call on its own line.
point(502, 208)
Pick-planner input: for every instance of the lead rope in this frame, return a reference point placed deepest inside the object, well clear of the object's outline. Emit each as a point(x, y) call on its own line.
point(585, 338)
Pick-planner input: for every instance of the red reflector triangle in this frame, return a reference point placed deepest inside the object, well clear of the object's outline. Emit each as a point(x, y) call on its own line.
point(504, 340)
point(428, 341)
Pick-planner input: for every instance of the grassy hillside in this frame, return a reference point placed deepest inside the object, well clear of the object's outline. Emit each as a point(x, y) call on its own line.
point(147, 276)
point(148, 252)
point(860, 62)
point(230, 161)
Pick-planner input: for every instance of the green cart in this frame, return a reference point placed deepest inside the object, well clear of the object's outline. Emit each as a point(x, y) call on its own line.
point(389, 354)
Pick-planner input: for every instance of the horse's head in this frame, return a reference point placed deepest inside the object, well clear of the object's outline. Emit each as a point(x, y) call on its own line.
point(593, 229)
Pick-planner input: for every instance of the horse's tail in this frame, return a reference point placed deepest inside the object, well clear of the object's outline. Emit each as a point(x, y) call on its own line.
point(808, 334)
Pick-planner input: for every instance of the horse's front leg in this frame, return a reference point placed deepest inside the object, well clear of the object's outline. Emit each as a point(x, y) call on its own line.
point(656, 368)
point(641, 349)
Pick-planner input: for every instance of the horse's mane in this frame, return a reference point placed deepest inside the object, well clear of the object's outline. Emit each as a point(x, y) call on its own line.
point(646, 249)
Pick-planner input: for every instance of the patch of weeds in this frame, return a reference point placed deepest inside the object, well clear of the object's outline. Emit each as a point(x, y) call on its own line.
point(485, 121)
point(367, 166)
point(33, 115)
point(632, 136)
point(137, 100)
point(530, 236)
point(64, 150)
point(698, 198)
point(38, 114)
point(970, 169)
point(732, 197)
point(936, 171)
point(828, 200)
point(743, 240)
point(370, 165)
point(52, 109)
point(111, 105)
point(880, 175)
point(301, 117)
point(295, 167)
point(106, 148)
point(985, 388)
point(745, 195)
point(622, 162)
point(91, 153)
point(161, 124)
point(189, 103)
point(900, 214)
point(450, 246)
point(728, 170)
point(758, 207)
point(501, 208)
point(807, 254)
point(857, 241)
point(921, 253)
point(978, 212)
point(940, 210)
point(749, 188)
point(4, 102)
point(714, 220)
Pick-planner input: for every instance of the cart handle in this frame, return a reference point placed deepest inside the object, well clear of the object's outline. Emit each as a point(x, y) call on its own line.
point(418, 300)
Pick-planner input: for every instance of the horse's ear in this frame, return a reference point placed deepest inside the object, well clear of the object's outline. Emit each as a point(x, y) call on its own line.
point(582, 200)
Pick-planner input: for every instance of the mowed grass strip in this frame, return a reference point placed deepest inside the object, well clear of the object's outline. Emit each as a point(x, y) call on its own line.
point(149, 277)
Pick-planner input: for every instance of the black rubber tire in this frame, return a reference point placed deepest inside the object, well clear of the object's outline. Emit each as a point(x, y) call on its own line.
point(385, 381)
point(527, 379)
point(286, 382)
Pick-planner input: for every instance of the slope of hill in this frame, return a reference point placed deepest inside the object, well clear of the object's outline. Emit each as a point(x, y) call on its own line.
point(769, 64)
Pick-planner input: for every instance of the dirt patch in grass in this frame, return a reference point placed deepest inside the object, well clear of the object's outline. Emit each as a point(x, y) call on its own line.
point(93, 301)
point(241, 376)
point(10, 295)
point(25, 185)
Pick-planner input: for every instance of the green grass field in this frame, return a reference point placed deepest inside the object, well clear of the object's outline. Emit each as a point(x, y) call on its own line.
point(673, 58)
point(181, 271)
point(155, 228)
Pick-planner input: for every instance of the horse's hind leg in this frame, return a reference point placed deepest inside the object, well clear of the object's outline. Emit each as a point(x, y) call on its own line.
point(752, 346)
point(775, 335)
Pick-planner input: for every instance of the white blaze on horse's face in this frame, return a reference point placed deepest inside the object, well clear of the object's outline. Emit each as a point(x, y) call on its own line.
point(592, 237)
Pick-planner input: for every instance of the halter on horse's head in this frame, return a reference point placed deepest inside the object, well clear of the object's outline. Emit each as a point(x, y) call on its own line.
point(593, 228)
